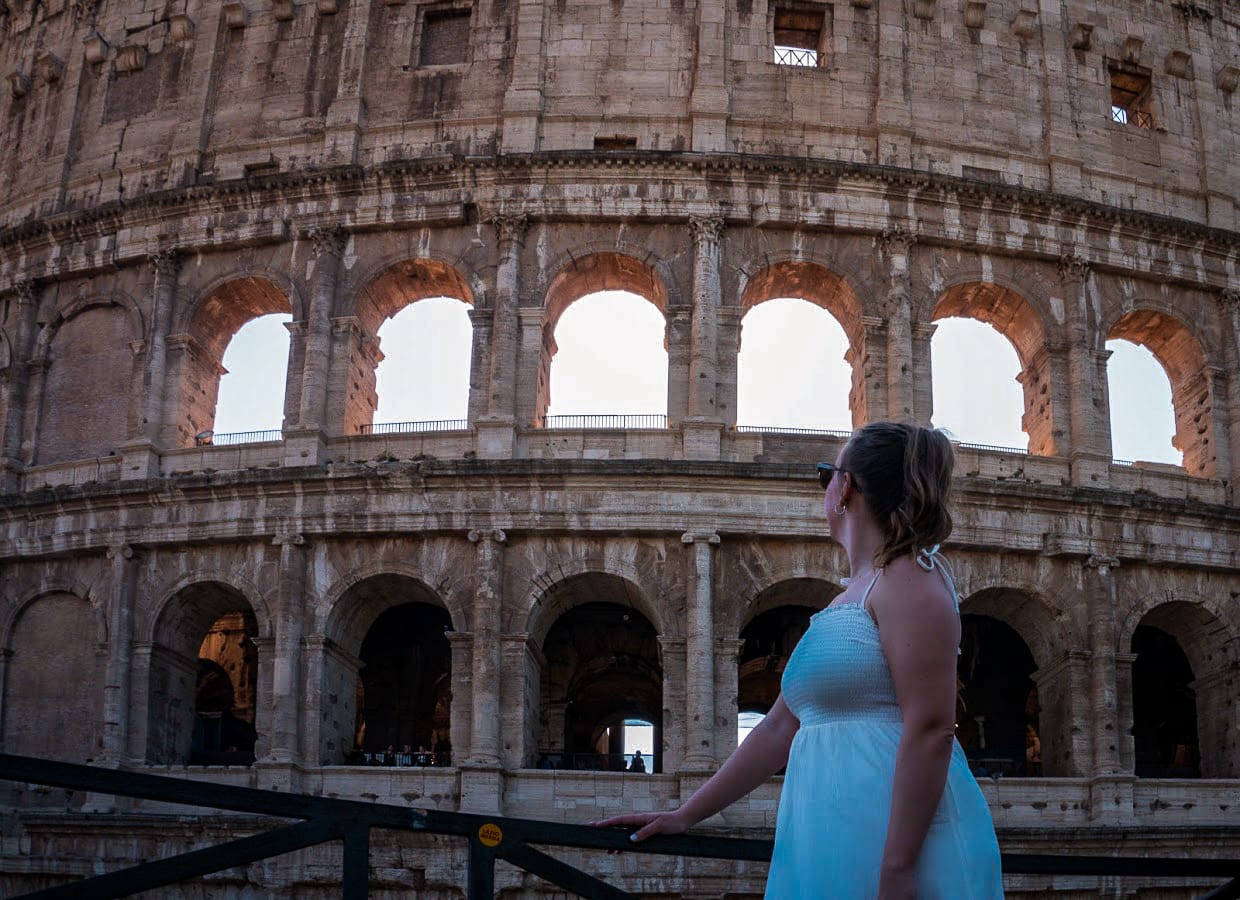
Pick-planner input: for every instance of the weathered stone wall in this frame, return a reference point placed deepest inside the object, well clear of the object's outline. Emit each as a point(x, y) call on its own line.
point(176, 172)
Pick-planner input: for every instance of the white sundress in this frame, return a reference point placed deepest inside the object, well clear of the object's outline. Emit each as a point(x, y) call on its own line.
point(832, 820)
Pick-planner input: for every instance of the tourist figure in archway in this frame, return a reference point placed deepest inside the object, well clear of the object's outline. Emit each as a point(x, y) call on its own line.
point(878, 800)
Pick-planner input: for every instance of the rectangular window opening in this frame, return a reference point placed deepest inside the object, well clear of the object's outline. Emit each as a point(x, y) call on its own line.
point(799, 36)
point(445, 37)
point(1131, 95)
point(615, 142)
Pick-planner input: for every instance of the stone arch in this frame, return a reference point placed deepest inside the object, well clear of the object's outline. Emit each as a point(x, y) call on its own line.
point(272, 290)
point(356, 607)
point(606, 266)
point(88, 363)
point(168, 597)
point(1208, 647)
point(810, 591)
point(1015, 316)
point(1195, 394)
point(812, 281)
point(195, 354)
point(544, 606)
point(1013, 707)
point(333, 618)
point(53, 717)
point(598, 663)
point(9, 613)
point(197, 611)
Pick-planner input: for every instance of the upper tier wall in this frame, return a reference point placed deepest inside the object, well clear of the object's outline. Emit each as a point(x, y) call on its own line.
point(105, 101)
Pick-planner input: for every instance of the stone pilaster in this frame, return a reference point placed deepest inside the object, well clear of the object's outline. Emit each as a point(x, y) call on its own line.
point(347, 114)
point(484, 748)
point(897, 308)
point(460, 649)
point(707, 298)
point(1100, 602)
point(1229, 304)
point(709, 101)
point(19, 383)
point(679, 335)
point(480, 321)
point(505, 323)
point(1064, 722)
point(523, 99)
point(727, 654)
point(520, 706)
point(167, 266)
point(699, 708)
point(329, 245)
point(286, 684)
point(867, 397)
point(116, 699)
point(675, 702)
point(1089, 427)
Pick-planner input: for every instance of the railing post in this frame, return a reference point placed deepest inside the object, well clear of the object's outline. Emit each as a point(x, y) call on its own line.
point(355, 879)
point(481, 871)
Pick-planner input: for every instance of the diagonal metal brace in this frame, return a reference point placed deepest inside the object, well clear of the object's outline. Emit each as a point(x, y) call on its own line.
point(184, 866)
point(551, 869)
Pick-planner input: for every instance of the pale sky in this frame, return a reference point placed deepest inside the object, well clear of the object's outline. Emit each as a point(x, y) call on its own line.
point(791, 373)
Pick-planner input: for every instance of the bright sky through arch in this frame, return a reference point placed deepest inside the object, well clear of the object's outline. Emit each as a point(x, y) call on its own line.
point(1142, 418)
point(976, 395)
point(424, 374)
point(791, 371)
point(251, 396)
point(611, 357)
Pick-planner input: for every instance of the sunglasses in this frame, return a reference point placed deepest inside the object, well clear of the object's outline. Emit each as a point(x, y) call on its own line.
point(825, 472)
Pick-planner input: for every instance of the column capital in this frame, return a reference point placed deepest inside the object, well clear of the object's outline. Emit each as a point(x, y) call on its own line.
point(1102, 563)
point(26, 290)
point(699, 537)
point(706, 228)
point(1074, 269)
point(289, 539)
point(124, 551)
point(896, 239)
point(1229, 299)
point(166, 263)
point(327, 239)
point(487, 535)
point(509, 227)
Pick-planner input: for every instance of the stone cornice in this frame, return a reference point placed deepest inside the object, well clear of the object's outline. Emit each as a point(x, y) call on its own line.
point(472, 175)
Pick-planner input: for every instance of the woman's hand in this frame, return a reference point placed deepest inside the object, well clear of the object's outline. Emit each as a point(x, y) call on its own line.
point(648, 824)
point(897, 884)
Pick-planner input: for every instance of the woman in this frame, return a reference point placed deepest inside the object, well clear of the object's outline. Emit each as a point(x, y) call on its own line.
point(878, 800)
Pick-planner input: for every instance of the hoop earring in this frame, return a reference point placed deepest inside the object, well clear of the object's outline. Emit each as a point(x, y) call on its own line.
point(841, 508)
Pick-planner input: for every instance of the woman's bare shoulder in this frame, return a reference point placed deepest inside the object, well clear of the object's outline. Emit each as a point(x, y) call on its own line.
point(912, 586)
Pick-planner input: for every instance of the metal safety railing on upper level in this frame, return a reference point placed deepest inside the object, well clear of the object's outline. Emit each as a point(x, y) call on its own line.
point(325, 819)
point(787, 429)
point(606, 421)
point(233, 438)
point(416, 427)
point(993, 448)
point(796, 56)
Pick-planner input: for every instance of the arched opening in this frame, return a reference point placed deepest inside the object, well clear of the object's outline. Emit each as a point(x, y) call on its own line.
point(422, 380)
point(404, 689)
point(602, 670)
point(1192, 386)
point(788, 350)
point(418, 311)
point(997, 710)
point(1164, 707)
point(225, 692)
point(53, 687)
point(1142, 414)
point(87, 399)
point(197, 369)
point(1016, 320)
point(976, 384)
point(255, 373)
point(204, 676)
point(792, 369)
point(386, 688)
point(609, 364)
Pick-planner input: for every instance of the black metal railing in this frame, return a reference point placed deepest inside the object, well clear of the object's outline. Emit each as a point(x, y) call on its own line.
point(994, 448)
point(416, 427)
point(787, 429)
point(490, 838)
point(597, 762)
point(402, 760)
point(796, 56)
point(233, 438)
point(603, 421)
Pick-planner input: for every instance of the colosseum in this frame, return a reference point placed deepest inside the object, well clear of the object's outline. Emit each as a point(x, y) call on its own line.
point(508, 593)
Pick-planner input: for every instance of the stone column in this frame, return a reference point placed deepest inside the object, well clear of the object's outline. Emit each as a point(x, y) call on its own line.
point(19, 382)
point(1089, 437)
point(505, 323)
point(898, 309)
point(329, 245)
point(347, 113)
point(1229, 303)
point(1104, 703)
point(484, 748)
point(167, 265)
point(707, 298)
point(121, 598)
point(286, 682)
point(699, 708)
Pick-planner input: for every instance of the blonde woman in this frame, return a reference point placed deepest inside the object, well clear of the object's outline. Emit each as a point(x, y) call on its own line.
point(878, 800)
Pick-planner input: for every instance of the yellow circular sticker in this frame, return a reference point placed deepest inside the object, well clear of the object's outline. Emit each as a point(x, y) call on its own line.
point(490, 835)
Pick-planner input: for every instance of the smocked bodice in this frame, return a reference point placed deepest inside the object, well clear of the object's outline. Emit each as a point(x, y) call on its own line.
point(838, 671)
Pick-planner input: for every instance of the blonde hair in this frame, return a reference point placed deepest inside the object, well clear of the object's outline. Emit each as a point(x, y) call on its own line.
point(905, 474)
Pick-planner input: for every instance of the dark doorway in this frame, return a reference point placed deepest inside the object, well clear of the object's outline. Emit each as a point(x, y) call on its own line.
point(1164, 707)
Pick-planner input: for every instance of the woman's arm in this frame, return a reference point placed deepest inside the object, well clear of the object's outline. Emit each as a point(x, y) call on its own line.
point(920, 632)
point(762, 754)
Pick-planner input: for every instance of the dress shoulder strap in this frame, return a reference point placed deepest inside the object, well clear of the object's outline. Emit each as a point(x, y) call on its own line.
point(932, 560)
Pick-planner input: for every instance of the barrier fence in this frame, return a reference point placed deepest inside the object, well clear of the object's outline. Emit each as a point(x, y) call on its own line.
point(325, 819)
